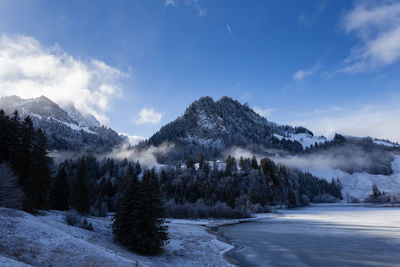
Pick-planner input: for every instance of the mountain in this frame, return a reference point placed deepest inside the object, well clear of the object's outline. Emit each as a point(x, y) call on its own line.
point(218, 128)
point(211, 127)
point(66, 129)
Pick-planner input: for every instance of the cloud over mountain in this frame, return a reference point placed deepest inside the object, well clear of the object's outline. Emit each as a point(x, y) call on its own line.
point(29, 69)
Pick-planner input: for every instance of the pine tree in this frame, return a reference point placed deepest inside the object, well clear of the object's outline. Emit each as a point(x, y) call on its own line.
point(80, 199)
point(230, 165)
point(24, 156)
point(158, 231)
point(138, 168)
point(201, 160)
point(189, 163)
point(36, 185)
point(59, 195)
point(254, 163)
point(127, 219)
point(241, 164)
point(138, 223)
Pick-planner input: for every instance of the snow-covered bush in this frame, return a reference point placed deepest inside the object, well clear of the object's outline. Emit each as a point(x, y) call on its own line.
point(200, 210)
point(351, 199)
point(73, 218)
point(325, 198)
point(305, 200)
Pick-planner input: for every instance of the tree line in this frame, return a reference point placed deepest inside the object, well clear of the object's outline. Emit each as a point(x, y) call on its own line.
point(141, 198)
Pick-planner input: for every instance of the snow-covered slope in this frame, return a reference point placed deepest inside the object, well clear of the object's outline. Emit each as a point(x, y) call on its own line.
point(66, 129)
point(49, 241)
point(305, 139)
point(83, 120)
point(385, 143)
point(359, 184)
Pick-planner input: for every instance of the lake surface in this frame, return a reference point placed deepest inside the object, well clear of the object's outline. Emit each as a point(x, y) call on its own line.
point(320, 235)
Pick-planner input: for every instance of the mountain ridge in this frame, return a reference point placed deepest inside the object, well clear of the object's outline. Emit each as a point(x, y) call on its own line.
point(210, 127)
point(65, 128)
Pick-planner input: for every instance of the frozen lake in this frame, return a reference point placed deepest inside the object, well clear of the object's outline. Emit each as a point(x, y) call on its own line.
point(320, 235)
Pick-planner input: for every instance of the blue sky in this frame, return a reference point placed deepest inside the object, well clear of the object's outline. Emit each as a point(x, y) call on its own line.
point(331, 66)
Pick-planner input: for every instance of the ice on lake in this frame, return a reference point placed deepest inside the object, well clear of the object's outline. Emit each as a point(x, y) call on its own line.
point(320, 235)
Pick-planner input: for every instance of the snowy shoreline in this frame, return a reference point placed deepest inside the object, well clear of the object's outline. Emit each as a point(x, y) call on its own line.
point(43, 240)
point(214, 230)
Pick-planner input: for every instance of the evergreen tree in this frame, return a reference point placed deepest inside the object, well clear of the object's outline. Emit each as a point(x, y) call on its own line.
point(36, 184)
point(201, 160)
point(59, 195)
point(80, 199)
point(241, 163)
point(138, 223)
point(24, 156)
point(138, 168)
point(254, 163)
point(230, 165)
point(189, 163)
point(206, 167)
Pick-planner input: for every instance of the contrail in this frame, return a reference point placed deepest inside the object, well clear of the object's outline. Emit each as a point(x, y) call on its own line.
point(229, 29)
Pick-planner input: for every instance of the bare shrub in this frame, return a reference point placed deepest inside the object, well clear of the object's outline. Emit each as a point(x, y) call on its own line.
point(73, 218)
point(325, 198)
point(200, 210)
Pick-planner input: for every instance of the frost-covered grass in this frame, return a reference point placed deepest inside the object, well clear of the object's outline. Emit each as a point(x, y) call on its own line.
point(45, 240)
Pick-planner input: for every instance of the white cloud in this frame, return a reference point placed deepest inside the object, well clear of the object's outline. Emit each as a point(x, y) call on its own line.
point(377, 121)
point(146, 157)
point(148, 115)
point(170, 2)
point(133, 139)
point(264, 112)
point(306, 21)
point(28, 69)
point(377, 25)
point(195, 4)
point(299, 75)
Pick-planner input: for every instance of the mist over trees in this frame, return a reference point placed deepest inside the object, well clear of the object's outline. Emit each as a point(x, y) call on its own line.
point(93, 186)
point(352, 154)
point(196, 186)
point(245, 189)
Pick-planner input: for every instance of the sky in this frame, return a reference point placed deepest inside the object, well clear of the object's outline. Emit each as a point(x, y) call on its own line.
point(331, 66)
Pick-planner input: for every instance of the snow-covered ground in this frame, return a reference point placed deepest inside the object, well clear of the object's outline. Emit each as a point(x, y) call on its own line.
point(46, 240)
point(306, 140)
point(385, 143)
point(359, 184)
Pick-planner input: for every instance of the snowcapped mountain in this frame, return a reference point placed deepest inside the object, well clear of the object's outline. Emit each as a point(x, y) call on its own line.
point(83, 120)
point(218, 128)
point(66, 129)
point(210, 127)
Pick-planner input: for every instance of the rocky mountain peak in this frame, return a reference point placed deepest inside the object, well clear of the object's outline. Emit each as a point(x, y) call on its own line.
point(66, 128)
point(210, 127)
